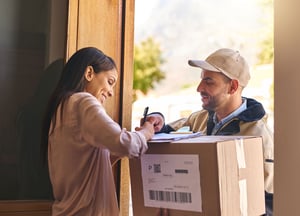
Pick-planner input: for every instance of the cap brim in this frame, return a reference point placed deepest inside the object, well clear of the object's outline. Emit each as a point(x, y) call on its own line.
point(203, 65)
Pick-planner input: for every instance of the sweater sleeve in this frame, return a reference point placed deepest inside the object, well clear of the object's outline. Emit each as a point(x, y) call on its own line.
point(99, 130)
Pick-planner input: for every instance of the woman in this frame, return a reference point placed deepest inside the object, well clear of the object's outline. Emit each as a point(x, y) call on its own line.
point(79, 136)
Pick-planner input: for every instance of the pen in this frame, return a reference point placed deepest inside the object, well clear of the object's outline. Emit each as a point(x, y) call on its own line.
point(145, 114)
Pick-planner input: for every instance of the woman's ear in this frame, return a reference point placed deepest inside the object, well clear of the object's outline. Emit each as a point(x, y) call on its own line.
point(89, 73)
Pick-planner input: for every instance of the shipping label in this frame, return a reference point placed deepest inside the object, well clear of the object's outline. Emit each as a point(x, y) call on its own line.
point(171, 181)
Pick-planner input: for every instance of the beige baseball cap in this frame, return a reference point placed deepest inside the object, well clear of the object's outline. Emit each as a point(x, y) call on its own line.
point(227, 61)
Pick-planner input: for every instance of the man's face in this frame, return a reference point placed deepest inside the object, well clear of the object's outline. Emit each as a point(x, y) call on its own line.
point(214, 89)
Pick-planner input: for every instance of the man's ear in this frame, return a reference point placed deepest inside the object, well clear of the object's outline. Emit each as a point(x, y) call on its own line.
point(89, 73)
point(234, 86)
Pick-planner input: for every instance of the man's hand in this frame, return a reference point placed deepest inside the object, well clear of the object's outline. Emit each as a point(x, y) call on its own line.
point(157, 119)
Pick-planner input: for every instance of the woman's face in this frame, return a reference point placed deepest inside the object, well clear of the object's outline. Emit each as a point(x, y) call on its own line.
point(101, 84)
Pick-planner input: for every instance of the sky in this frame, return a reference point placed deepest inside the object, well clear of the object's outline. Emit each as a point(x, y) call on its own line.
point(192, 29)
point(229, 8)
point(143, 11)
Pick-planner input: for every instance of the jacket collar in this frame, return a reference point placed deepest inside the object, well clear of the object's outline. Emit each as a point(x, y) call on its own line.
point(254, 112)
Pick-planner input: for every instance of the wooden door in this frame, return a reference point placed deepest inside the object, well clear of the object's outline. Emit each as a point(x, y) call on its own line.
point(109, 25)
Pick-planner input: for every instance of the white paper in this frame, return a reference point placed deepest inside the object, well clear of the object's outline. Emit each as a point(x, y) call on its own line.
point(171, 181)
point(161, 137)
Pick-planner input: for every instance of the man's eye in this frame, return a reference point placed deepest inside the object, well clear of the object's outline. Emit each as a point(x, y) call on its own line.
point(208, 81)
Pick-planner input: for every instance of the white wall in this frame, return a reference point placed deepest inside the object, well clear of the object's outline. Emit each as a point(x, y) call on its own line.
point(287, 107)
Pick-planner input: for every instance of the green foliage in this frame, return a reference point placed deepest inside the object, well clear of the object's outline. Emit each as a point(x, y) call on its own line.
point(266, 54)
point(272, 96)
point(147, 62)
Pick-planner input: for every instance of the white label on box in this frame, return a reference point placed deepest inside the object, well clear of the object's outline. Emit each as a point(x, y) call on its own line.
point(171, 181)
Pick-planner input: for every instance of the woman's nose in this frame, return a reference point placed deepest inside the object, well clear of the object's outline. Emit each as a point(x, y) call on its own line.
point(111, 93)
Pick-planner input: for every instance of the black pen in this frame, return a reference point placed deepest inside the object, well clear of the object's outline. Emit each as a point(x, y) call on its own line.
point(145, 114)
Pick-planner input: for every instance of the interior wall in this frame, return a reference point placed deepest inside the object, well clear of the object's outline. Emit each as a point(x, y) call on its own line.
point(287, 115)
point(26, 81)
point(57, 30)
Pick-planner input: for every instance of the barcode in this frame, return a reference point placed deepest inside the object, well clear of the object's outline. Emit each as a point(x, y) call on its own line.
point(177, 197)
point(156, 168)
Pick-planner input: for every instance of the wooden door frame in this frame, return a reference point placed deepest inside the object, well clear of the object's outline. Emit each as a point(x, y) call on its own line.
point(122, 51)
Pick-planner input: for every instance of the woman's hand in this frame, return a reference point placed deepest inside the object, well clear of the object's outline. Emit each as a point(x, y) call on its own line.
point(147, 129)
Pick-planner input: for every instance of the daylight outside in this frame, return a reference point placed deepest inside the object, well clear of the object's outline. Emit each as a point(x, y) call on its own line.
point(169, 33)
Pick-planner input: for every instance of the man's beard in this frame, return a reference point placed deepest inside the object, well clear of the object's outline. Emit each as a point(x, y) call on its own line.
point(210, 105)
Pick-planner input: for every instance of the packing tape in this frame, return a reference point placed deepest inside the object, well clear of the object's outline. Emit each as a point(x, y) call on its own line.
point(240, 154)
point(243, 197)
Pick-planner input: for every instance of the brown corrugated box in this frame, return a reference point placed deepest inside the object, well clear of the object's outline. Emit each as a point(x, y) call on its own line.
point(231, 176)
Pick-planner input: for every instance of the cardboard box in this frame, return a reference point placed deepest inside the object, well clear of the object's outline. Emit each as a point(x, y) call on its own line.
point(207, 175)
